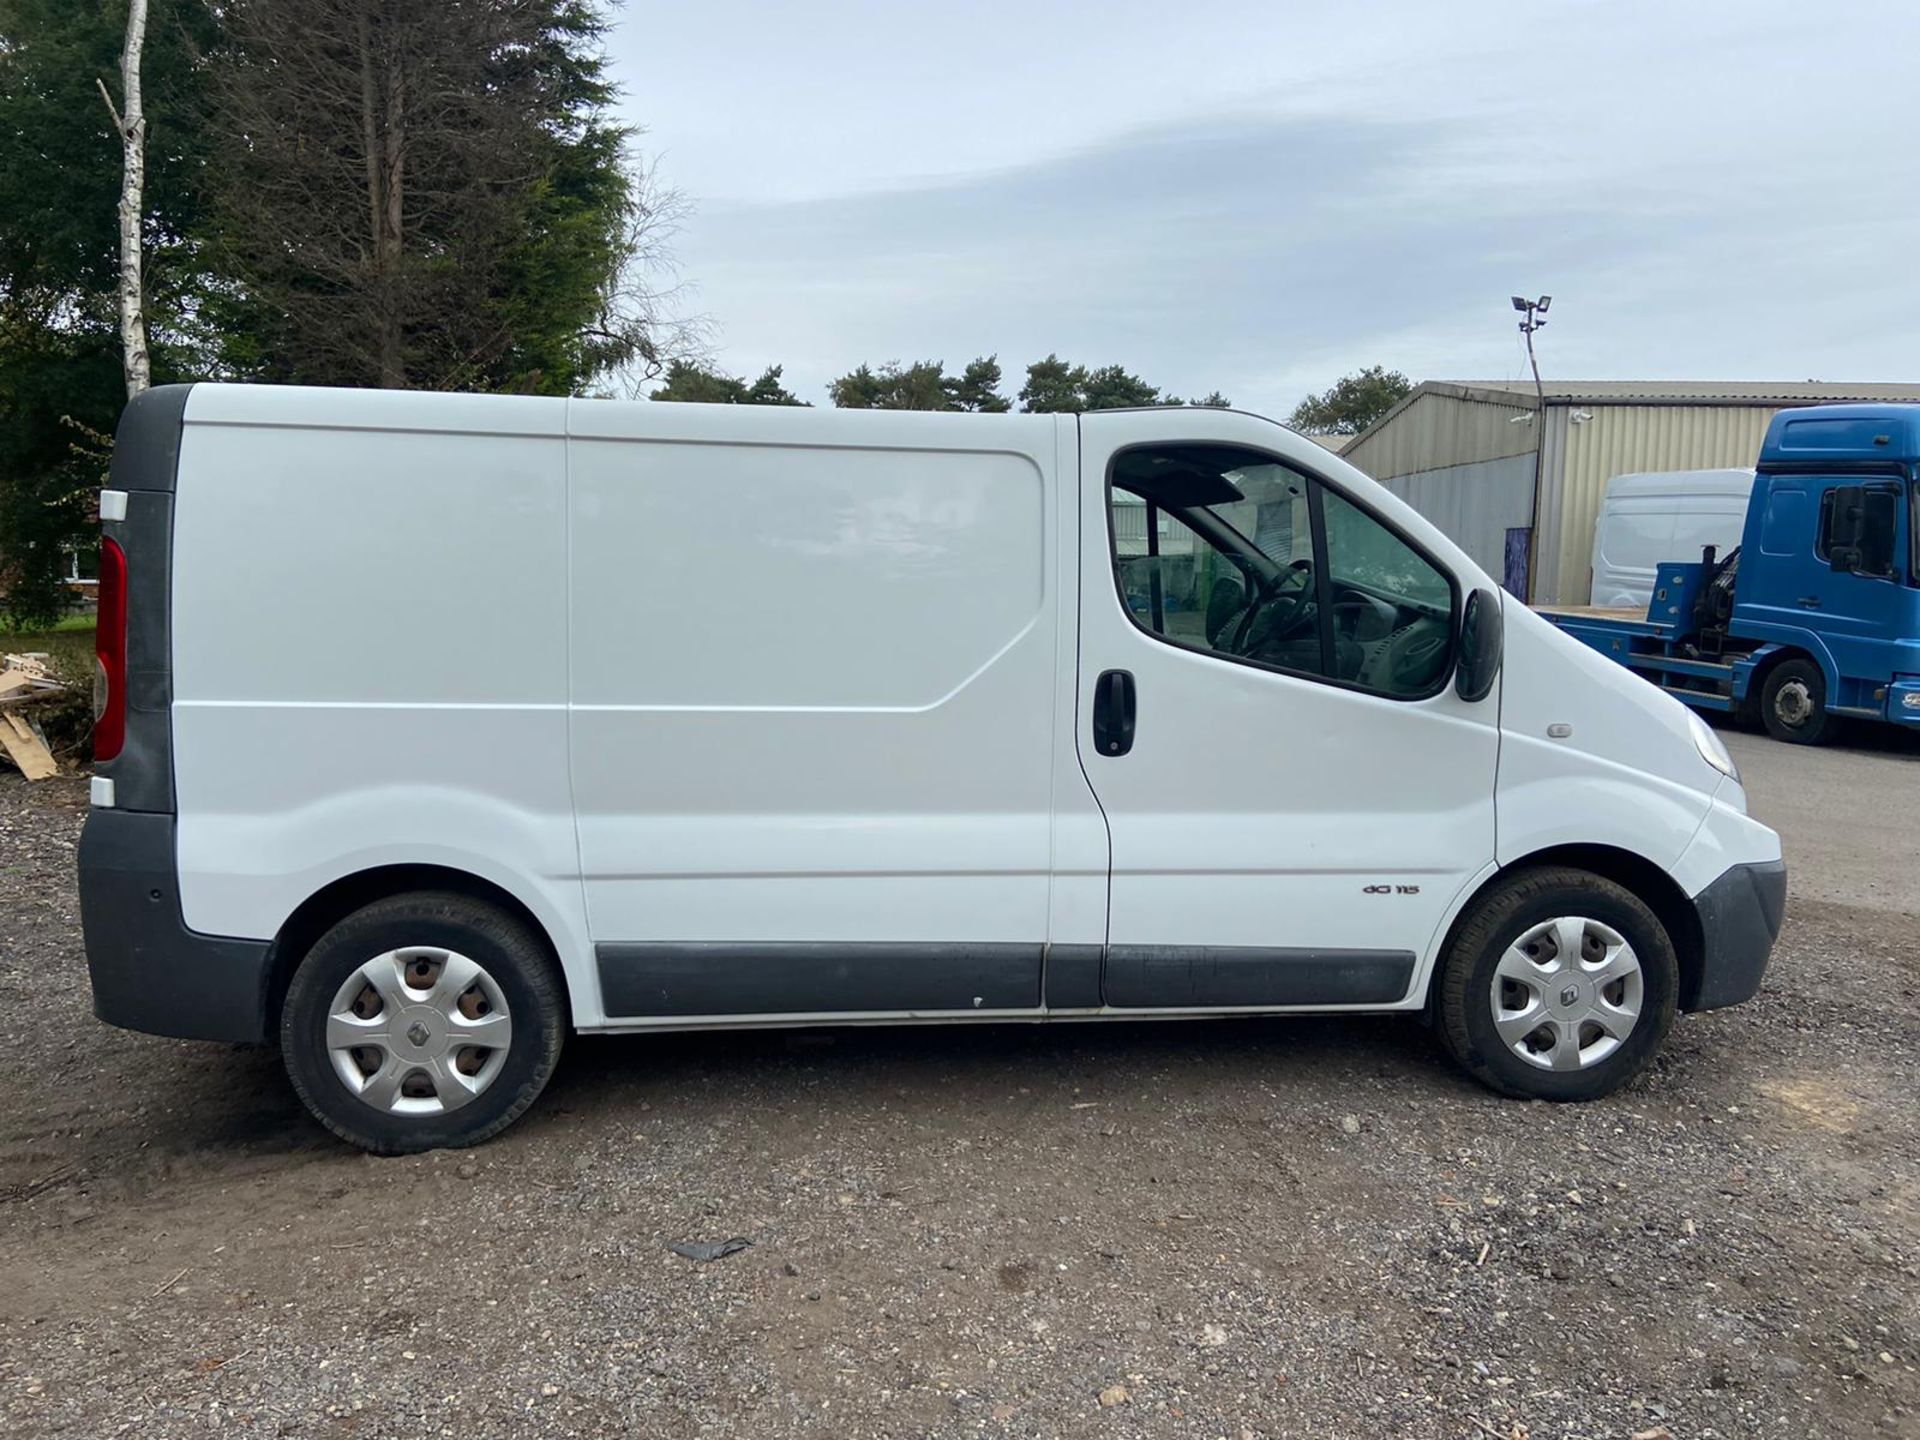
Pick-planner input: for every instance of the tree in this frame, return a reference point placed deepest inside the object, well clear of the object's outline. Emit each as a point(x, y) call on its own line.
point(768, 390)
point(1053, 385)
point(1352, 404)
point(1113, 387)
point(687, 380)
point(921, 386)
point(1215, 401)
point(130, 121)
point(426, 193)
point(63, 377)
point(977, 388)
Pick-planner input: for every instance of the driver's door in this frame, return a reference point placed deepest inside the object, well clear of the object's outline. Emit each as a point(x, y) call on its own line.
point(1302, 795)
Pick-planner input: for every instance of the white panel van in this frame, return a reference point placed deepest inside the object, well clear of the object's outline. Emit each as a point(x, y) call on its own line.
point(1655, 517)
point(434, 728)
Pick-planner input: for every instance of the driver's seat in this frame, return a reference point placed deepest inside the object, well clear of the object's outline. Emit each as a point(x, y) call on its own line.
point(1225, 603)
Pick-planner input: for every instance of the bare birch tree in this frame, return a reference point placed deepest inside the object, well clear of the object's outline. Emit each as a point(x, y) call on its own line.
point(130, 119)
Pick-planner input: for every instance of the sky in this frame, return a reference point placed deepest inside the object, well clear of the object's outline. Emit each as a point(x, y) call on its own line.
point(1259, 197)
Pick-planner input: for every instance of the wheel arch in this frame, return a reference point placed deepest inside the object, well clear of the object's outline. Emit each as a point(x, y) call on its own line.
point(333, 902)
point(1656, 889)
point(1775, 653)
point(1771, 657)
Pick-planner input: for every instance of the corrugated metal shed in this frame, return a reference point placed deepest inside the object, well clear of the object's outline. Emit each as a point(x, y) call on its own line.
point(1439, 426)
point(1446, 434)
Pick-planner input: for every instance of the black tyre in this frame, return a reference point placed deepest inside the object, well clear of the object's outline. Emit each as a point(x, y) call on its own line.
point(1558, 985)
point(1793, 703)
point(424, 1021)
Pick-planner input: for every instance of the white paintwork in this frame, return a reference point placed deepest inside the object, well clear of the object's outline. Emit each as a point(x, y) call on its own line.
point(1256, 808)
point(683, 673)
point(815, 675)
point(1666, 515)
point(369, 665)
point(1728, 836)
point(1629, 774)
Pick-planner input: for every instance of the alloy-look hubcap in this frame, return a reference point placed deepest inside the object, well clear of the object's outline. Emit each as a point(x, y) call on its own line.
point(418, 1031)
point(1567, 993)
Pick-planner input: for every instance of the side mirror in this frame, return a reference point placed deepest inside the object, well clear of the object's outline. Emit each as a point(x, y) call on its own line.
point(1843, 559)
point(1482, 639)
point(1846, 515)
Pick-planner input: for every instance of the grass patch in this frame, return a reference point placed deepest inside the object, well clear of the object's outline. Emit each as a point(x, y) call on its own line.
point(69, 644)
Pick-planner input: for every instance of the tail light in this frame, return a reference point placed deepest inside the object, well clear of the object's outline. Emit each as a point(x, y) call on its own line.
point(110, 648)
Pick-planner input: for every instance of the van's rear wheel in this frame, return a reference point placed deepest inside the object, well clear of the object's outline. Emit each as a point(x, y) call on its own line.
point(423, 1021)
point(1560, 985)
point(1793, 703)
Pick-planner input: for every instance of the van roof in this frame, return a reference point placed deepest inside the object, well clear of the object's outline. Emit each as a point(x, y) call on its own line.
point(1681, 482)
point(538, 416)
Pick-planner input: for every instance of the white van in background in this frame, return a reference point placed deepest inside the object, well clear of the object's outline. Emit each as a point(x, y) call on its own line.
point(1666, 515)
point(435, 727)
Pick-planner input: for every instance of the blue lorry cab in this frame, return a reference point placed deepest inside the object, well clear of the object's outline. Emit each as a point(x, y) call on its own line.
point(1816, 614)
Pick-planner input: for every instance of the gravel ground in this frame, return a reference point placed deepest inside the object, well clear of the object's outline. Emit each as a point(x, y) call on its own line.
point(1300, 1228)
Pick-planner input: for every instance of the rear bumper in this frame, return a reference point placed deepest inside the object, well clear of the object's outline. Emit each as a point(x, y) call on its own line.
point(1740, 916)
point(149, 971)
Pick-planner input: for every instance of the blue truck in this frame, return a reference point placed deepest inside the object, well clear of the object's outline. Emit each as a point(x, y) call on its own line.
point(1814, 618)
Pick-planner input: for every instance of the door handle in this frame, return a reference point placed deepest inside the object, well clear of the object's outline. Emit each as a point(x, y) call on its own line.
point(1113, 706)
point(1809, 602)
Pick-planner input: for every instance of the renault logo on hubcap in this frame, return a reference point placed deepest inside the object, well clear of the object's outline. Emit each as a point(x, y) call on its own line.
point(417, 1033)
point(1567, 997)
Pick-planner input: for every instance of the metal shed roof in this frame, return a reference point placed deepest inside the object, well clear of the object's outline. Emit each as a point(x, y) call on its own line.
point(1667, 392)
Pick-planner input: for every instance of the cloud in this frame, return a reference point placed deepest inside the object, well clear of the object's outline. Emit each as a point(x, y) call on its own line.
point(1246, 253)
point(1690, 222)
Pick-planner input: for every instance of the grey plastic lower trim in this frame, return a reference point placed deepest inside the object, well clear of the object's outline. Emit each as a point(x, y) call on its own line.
point(757, 978)
point(1740, 918)
point(713, 979)
point(149, 971)
point(1073, 976)
point(1180, 976)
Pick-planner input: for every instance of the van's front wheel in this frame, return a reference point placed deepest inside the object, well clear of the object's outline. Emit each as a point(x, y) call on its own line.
point(1559, 985)
point(423, 1021)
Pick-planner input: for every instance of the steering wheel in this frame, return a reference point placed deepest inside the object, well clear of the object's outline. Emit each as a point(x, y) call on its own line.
point(1279, 623)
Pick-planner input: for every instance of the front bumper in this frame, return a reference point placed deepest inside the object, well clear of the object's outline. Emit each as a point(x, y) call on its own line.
point(1740, 915)
point(149, 971)
point(1903, 702)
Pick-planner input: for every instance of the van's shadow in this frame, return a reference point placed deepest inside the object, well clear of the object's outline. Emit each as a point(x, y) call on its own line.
point(211, 1105)
point(934, 1066)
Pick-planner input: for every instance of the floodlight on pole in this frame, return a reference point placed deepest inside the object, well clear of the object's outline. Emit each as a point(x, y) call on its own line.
point(1533, 315)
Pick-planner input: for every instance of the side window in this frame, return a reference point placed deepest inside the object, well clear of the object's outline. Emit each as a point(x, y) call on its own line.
point(1392, 608)
point(1859, 520)
point(1195, 574)
point(1214, 550)
point(1823, 537)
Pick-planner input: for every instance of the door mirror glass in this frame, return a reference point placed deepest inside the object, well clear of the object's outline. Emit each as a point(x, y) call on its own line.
point(1482, 641)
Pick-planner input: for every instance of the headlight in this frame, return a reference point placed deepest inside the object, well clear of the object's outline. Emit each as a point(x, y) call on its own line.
point(1711, 748)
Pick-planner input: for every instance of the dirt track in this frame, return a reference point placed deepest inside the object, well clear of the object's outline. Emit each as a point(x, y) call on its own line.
point(1284, 1229)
